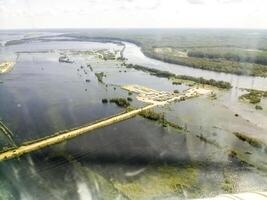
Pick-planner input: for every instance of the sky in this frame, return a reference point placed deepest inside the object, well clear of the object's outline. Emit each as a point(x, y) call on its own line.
point(133, 14)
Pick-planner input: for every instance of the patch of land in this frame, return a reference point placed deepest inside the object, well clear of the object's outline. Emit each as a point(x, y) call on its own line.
point(165, 74)
point(152, 96)
point(6, 66)
point(253, 96)
point(240, 63)
point(103, 54)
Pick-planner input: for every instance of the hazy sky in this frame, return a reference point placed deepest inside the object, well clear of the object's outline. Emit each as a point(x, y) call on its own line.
point(133, 13)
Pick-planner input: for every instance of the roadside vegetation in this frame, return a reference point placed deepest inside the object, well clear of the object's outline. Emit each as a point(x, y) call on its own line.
point(159, 117)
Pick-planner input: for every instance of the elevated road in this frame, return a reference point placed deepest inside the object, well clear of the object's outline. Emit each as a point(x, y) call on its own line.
point(58, 138)
point(66, 135)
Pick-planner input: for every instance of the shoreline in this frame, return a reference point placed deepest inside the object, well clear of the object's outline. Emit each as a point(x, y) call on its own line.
point(206, 74)
point(143, 49)
point(148, 54)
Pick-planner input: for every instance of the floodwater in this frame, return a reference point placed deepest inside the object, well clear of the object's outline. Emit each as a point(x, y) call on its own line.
point(42, 96)
point(135, 55)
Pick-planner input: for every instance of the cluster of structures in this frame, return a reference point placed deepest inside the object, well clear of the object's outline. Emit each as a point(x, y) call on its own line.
point(6, 66)
point(65, 59)
point(103, 54)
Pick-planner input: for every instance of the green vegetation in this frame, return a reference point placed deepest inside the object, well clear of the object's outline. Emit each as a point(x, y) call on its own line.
point(165, 74)
point(167, 123)
point(228, 184)
point(232, 54)
point(213, 96)
point(177, 82)
point(104, 101)
point(258, 107)
point(159, 117)
point(218, 65)
point(159, 182)
point(121, 102)
point(218, 84)
point(206, 140)
point(149, 114)
point(253, 96)
point(252, 141)
point(100, 76)
point(105, 54)
point(129, 99)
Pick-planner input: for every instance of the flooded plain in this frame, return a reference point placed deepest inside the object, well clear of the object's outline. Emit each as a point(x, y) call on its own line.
point(134, 159)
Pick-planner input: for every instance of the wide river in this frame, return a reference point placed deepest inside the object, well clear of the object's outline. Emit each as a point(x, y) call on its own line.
point(134, 55)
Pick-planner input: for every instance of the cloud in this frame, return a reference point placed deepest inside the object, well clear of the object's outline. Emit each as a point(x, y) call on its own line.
point(133, 13)
point(229, 1)
point(196, 1)
point(137, 4)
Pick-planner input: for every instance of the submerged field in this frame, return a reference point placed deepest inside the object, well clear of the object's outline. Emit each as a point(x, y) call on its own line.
point(215, 143)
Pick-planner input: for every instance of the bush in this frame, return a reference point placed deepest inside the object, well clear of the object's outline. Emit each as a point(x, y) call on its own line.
point(100, 76)
point(258, 107)
point(254, 96)
point(252, 141)
point(104, 101)
point(121, 102)
point(149, 114)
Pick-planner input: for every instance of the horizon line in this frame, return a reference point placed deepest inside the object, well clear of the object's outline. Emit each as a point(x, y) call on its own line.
point(126, 28)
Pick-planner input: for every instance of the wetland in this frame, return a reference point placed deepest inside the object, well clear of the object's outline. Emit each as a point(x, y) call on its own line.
point(196, 147)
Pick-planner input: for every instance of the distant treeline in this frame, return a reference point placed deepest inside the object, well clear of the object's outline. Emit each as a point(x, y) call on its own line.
point(225, 66)
point(166, 74)
point(250, 58)
point(232, 61)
